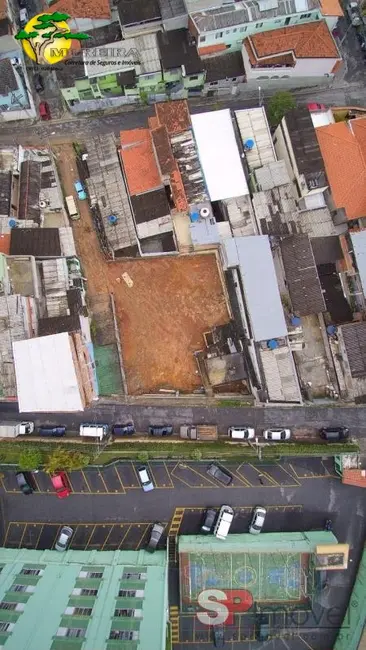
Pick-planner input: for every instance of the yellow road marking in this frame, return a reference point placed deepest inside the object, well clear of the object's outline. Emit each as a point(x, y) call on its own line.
point(90, 536)
point(124, 536)
point(21, 540)
point(142, 537)
point(86, 481)
point(241, 479)
point(167, 471)
point(120, 480)
point(104, 483)
point(38, 488)
point(39, 536)
point(306, 643)
point(160, 487)
point(268, 476)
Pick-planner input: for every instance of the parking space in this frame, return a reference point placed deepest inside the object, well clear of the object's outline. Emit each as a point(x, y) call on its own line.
point(122, 476)
point(106, 537)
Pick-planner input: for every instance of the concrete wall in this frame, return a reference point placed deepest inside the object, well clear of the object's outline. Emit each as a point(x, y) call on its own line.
point(316, 68)
point(178, 22)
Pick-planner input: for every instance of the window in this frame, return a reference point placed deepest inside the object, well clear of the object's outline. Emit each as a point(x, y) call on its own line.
point(235, 30)
point(4, 605)
point(131, 593)
point(71, 632)
point(78, 611)
point(193, 77)
point(233, 79)
point(129, 575)
point(6, 627)
point(242, 29)
point(218, 35)
point(305, 16)
point(84, 592)
point(279, 20)
point(91, 574)
point(227, 31)
point(258, 25)
point(28, 589)
point(31, 572)
point(124, 635)
point(135, 613)
point(202, 39)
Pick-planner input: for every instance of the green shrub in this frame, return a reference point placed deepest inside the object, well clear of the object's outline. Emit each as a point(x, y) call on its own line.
point(143, 456)
point(30, 459)
point(196, 454)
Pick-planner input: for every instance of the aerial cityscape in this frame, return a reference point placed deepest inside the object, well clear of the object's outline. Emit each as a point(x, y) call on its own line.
point(182, 324)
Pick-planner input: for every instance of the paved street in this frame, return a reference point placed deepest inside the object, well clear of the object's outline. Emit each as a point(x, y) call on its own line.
point(142, 416)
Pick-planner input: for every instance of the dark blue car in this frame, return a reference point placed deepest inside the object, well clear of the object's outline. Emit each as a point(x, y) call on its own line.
point(52, 431)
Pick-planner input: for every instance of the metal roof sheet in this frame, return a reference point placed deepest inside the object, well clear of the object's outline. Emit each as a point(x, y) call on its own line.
point(359, 246)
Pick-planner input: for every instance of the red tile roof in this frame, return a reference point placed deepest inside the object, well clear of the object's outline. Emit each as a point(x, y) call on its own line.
point(3, 9)
point(163, 150)
point(174, 115)
point(343, 147)
point(83, 8)
point(5, 244)
point(212, 49)
point(179, 195)
point(356, 477)
point(309, 41)
point(139, 161)
point(153, 122)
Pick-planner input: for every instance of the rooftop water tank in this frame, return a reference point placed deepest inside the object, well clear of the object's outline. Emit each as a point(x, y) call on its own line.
point(112, 219)
point(295, 321)
point(12, 223)
point(331, 330)
point(194, 216)
point(272, 344)
point(249, 144)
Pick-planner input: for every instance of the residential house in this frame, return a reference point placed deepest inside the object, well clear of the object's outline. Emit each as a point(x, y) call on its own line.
point(85, 16)
point(182, 67)
point(223, 72)
point(301, 276)
point(343, 149)
point(83, 599)
point(223, 28)
point(301, 51)
point(349, 354)
point(139, 17)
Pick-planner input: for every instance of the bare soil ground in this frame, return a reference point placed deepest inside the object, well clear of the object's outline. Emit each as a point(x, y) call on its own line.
point(163, 316)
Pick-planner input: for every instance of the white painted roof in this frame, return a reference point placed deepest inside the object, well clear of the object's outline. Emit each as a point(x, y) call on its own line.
point(253, 125)
point(359, 246)
point(45, 375)
point(322, 118)
point(219, 155)
point(140, 53)
point(253, 255)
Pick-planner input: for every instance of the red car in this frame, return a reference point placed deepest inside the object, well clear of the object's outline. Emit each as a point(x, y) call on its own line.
point(61, 485)
point(316, 107)
point(44, 111)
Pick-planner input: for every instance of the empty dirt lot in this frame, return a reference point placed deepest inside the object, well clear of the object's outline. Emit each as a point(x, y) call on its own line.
point(163, 316)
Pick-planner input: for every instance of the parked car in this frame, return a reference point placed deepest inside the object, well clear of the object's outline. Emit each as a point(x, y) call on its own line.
point(44, 111)
point(123, 429)
point(208, 521)
point(160, 431)
point(354, 15)
point(38, 83)
point(155, 537)
point(64, 538)
point(220, 474)
point(224, 521)
point(314, 106)
point(145, 478)
point(23, 17)
point(52, 431)
point(277, 434)
point(25, 482)
point(257, 523)
point(61, 484)
point(334, 434)
point(218, 636)
point(80, 190)
point(241, 433)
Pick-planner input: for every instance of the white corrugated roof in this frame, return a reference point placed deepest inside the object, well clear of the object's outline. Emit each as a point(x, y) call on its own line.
point(253, 125)
point(262, 295)
point(122, 55)
point(219, 155)
point(359, 246)
point(45, 374)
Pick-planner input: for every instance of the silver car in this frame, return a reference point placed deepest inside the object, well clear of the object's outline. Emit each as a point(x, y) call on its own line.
point(145, 478)
point(277, 434)
point(64, 538)
point(257, 523)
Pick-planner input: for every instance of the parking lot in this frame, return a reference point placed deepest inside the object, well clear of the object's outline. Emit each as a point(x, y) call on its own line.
point(122, 476)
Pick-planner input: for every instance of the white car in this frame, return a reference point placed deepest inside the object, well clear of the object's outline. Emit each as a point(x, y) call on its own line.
point(258, 519)
point(241, 433)
point(277, 434)
point(64, 538)
point(224, 521)
point(145, 478)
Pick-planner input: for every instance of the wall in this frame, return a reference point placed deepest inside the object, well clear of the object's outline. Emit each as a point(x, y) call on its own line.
point(302, 68)
point(136, 30)
point(234, 36)
point(86, 24)
point(178, 22)
point(282, 151)
point(100, 104)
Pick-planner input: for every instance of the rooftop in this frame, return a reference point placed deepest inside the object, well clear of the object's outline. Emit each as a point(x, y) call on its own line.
point(163, 150)
point(58, 324)
point(102, 36)
point(39, 242)
point(172, 8)
point(326, 249)
point(359, 247)
point(174, 116)
point(8, 82)
point(354, 337)
point(186, 156)
point(331, 8)
point(140, 53)
point(253, 126)
point(107, 184)
point(247, 11)
point(226, 368)
point(138, 11)
point(29, 191)
point(219, 155)
point(5, 192)
point(3, 9)
point(302, 275)
point(280, 374)
point(94, 9)
point(304, 141)
point(40, 388)
point(5, 244)
point(253, 256)
point(68, 73)
point(139, 161)
point(224, 67)
point(176, 49)
point(150, 206)
point(308, 41)
point(343, 147)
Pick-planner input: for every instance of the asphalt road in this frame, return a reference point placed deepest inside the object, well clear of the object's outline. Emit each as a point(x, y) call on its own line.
point(312, 417)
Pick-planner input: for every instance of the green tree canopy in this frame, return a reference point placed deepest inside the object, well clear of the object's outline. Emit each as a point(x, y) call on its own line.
point(279, 104)
point(63, 459)
point(30, 459)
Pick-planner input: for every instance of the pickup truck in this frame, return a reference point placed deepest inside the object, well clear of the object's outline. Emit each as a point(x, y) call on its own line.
point(15, 429)
point(198, 432)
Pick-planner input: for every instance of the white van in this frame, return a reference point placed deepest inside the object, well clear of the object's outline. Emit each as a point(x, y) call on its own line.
point(99, 431)
point(224, 521)
point(241, 433)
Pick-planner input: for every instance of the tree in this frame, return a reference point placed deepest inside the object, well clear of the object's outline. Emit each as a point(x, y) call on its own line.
point(143, 456)
point(196, 454)
point(278, 106)
point(30, 459)
point(44, 33)
point(62, 459)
